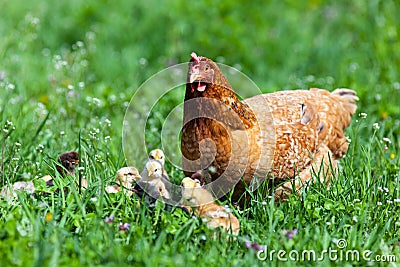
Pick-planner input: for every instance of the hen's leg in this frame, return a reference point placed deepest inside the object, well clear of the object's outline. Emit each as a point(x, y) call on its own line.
point(321, 166)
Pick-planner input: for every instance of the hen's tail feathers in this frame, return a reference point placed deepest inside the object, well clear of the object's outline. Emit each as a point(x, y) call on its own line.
point(348, 99)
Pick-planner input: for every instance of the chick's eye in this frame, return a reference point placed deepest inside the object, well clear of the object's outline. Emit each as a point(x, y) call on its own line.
point(156, 170)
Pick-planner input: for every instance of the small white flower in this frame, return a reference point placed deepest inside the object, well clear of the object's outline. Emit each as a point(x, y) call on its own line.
point(389, 201)
point(357, 200)
point(376, 126)
point(386, 189)
point(363, 115)
point(396, 200)
point(81, 168)
point(355, 219)
point(107, 138)
point(81, 84)
point(79, 44)
point(62, 133)
point(17, 144)
point(379, 203)
point(385, 139)
point(5, 130)
point(328, 223)
point(96, 101)
point(15, 159)
point(380, 189)
point(70, 87)
point(93, 199)
point(11, 86)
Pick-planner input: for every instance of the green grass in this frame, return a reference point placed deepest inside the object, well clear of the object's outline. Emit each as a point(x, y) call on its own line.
point(68, 71)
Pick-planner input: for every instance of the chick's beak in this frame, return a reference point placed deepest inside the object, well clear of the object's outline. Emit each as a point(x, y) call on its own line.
point(157, 157)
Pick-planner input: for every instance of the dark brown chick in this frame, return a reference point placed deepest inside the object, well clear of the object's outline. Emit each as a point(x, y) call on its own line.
point(69, 161)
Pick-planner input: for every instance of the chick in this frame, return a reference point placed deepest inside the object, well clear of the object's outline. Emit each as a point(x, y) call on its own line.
point(68, 161)
point(9, 192)
point(158, 154)
point(153, 174)
point(126, 176)
point(203, 203)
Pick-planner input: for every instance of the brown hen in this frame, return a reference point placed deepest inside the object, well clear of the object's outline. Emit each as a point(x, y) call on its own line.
point(284, 135)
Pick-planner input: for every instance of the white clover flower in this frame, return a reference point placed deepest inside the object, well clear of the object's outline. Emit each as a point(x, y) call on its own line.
point(376, 126)
point(385, 139)
point(363, 115)
point(81, 84)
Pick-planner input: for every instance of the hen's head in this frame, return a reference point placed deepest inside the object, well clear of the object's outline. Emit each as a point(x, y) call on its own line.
point(202, 73)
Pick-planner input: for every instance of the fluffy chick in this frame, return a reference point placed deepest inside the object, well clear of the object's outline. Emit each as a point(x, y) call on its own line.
point(9, 192)
point(153, 174)
point(68, 161)
point(126, 176)
point(203, 203)
point(158, 154)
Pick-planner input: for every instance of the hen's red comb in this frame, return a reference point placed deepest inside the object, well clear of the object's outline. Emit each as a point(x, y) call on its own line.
point(195, 57)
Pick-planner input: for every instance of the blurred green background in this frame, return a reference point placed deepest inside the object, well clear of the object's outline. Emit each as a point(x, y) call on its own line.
point(279, 44)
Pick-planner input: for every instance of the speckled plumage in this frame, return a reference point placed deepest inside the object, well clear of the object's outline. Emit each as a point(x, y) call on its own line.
point(292, 130)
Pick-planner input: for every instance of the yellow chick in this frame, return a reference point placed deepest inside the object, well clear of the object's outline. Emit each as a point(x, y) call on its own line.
point(126, 176)
point(203, 203)
point(153, 174)
point(158, 154)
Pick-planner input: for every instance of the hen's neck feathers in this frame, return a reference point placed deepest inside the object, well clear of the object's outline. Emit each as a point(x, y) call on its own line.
point(221, 93)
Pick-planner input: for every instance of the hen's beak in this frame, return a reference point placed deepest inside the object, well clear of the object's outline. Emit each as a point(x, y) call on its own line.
point(195, 77)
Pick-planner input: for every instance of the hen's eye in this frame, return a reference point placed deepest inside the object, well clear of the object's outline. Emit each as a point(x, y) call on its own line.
point(206, 68)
